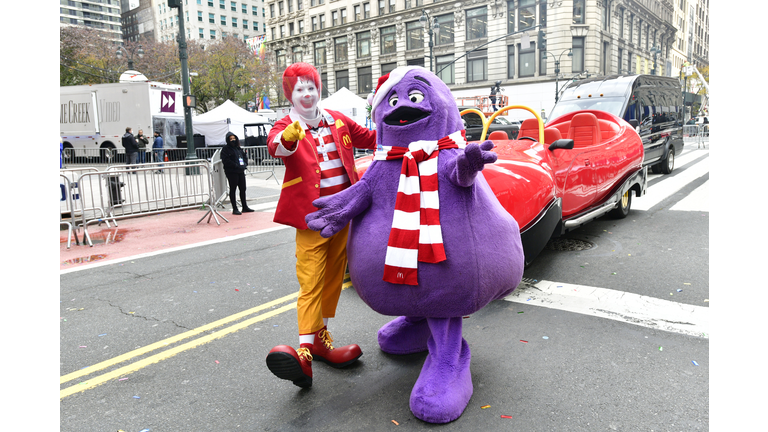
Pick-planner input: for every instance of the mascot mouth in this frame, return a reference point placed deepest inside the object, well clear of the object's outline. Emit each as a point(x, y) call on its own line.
point(404, 116)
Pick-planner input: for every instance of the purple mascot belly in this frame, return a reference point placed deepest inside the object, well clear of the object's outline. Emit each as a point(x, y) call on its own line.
point(428, 245)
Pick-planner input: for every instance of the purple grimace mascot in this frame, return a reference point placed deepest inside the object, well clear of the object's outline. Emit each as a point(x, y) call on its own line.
point(429, 242)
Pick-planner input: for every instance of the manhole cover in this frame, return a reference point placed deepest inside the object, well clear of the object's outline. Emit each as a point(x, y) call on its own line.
point(566, 244)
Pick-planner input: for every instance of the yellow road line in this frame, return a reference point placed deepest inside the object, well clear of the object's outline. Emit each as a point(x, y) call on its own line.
point(143, 350)
point(133, 367)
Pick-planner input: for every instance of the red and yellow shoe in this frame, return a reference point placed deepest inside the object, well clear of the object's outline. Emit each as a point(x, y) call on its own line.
point(324, 351)
point(292, 365)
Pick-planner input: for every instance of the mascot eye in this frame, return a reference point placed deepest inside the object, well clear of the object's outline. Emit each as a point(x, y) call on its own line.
point(393, 100)
point(416, 96)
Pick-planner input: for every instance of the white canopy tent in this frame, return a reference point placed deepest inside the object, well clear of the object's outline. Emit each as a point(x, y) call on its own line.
point(348, 103)
point(227, 117)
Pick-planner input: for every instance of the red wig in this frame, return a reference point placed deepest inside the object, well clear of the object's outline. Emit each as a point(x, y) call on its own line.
point(292, 74)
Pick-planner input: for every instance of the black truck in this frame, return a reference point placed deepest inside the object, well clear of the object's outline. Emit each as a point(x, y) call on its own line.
point(473, 124)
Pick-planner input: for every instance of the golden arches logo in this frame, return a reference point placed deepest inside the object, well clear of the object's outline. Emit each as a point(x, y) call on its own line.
point(346, 139)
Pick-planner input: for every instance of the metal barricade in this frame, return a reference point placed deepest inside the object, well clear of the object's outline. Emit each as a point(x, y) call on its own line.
point(260, 161)
point(696, 134)
point(67, 213)
point(91, 157)
point(137, 190)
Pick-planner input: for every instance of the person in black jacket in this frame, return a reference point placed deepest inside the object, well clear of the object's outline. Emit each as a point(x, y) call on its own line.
point(131, 147)
point(235, 162)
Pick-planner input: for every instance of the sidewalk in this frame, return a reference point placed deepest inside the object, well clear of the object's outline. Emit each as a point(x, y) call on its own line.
point(144, 234)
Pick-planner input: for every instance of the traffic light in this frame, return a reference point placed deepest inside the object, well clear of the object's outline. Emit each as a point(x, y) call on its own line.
point(174, 3)
point(541, 41)
point(190, 101)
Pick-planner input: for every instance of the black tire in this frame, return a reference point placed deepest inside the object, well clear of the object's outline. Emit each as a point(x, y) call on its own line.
point(622, 208)
point(669, 162)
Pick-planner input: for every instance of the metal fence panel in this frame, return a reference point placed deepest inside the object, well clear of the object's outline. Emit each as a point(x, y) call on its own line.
point(131, 191)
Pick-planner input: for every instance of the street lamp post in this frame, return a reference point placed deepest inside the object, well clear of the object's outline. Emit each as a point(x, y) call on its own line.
point(655, 51)
point(557, 70)
point(185, 85)
point(431, 25)
point(121, 51)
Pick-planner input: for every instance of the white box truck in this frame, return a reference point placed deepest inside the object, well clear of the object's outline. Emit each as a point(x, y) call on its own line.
point(95, 116)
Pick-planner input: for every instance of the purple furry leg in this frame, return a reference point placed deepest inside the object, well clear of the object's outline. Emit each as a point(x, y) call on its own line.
point(444, 387)
point(404, 335)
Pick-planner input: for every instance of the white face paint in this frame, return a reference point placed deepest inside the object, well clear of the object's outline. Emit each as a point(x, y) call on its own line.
point(305, 98)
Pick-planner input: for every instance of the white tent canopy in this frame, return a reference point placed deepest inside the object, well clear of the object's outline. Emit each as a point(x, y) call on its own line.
point(348, 103)
point(227, 117)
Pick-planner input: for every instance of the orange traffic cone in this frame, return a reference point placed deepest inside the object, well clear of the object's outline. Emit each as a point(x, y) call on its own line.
point(165, 159)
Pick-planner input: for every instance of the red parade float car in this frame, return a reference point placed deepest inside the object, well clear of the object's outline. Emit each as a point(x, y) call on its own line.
point(582, 166)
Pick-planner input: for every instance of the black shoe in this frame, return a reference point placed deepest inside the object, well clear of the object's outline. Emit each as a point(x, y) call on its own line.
point(236, 212)
point(248, 210)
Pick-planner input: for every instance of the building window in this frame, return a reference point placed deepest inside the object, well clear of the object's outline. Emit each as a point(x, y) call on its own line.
point(364, 80)
point(387, 68)
point(200, 16)
point(280, 8)
point(234, 22)
point(414, 35)
point(364, 44)
point(621, 25)
point(640, 34)
point(621, 53)
point(334, 18)
point(280, 56)
point(511, 61)
point(322, 21)
point(245, 24)
point(298, 55)
point(301, 26)
point(382, 7)
point(543, 13)
point(323, 81)
point(413, 3)
point(477, 20)
point(320, 53)
point(273, 33)
point(300, 6)
point(254, 10)
point(526, 65)
point(388, 43)
point(477, 65)
point(444, 29)
point(445, 73)
point(272, 10)
point(222, 5)
point(290, 29)
point(314, 23)
point(213, 34)
point(344, 16)
point(631, 27)
point(342, 79)
point(416, 62)
point(357, 13)
point(290, 6)
point(201, 34)
point(606, 16)
point(392, 5)
point(210, 3)
point(244, 8)
point(366, 10)
point(282, 31)
point(340, 49)
point(223, 19)
point(233, 6)
point(577, 60)
point(578, 11)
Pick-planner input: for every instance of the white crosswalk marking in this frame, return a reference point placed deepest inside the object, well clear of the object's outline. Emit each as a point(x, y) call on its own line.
point(616, 305)
point(663, 189)
point(698, 200)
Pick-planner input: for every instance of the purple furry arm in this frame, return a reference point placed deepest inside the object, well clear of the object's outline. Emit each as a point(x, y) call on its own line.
point(464, 168)
point(337, 210)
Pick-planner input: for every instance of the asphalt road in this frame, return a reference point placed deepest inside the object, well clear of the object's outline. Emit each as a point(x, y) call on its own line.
point(177, 341)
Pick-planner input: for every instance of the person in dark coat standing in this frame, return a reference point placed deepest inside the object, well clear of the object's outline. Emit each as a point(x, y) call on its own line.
point(131, 147)
point(235, 162)
point(157, 148)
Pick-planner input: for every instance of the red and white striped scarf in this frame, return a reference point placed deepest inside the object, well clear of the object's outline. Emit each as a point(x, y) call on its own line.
point(416, 235)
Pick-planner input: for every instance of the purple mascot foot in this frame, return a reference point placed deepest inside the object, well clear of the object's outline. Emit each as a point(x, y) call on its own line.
point(404, 335)
point(444, 387)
